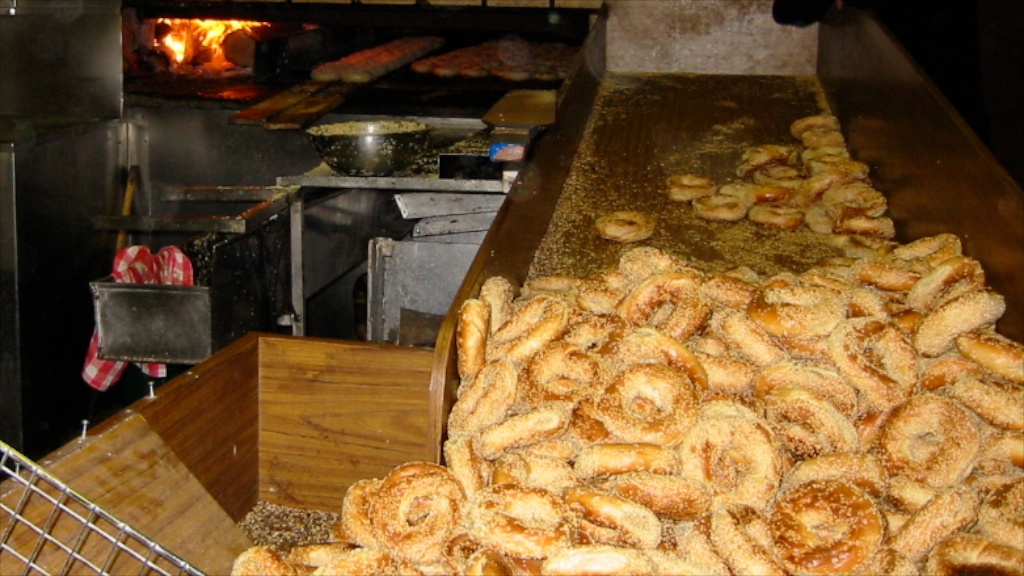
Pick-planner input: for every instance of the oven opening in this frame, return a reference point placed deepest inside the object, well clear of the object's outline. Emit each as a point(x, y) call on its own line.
point(240, 57)
point(218, 59)
point(199, 46)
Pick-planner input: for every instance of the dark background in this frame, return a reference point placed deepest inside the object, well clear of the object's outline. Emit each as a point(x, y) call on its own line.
point(973, 50)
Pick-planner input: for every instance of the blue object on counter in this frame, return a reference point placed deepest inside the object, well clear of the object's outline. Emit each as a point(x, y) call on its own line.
point(506, 152)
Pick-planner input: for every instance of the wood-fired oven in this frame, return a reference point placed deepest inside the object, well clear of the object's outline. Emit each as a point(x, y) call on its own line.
point(92, 100)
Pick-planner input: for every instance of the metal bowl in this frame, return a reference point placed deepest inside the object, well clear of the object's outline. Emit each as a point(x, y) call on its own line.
point(370, 148)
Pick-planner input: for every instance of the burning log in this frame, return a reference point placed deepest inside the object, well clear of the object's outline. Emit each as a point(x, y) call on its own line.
point(197, 46)
point(239, 48)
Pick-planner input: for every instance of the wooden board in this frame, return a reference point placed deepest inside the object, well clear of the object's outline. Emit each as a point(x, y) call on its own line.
point(332, 413)
point(307, 110)
point(524, 108)
point(131, 473)
point(257, 114)
point(280, 419)
point(209, 416)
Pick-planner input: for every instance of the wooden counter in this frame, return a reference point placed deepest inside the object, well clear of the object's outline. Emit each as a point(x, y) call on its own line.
point(277, 419)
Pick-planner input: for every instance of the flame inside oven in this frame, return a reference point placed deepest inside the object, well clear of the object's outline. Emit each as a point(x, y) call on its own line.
point(200, 46)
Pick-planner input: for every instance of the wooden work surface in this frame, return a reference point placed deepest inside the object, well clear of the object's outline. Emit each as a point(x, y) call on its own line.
point(130, 472)
point(648, 127)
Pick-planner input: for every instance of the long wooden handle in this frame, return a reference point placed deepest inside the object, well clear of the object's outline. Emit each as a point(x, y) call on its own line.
point(126, 204)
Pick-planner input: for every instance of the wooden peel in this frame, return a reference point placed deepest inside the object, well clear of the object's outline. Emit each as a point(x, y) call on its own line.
point(332, 82)
point(127, 203)
point(308, 110)
point(257, 114)
point(296, 107)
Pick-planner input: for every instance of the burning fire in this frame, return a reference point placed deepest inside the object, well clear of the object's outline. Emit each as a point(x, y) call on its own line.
point(198, 43)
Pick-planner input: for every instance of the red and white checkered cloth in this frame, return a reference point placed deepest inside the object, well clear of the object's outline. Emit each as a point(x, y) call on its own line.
point(137, 265)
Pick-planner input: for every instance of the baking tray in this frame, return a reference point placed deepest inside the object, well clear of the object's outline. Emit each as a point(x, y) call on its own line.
point(152, 323)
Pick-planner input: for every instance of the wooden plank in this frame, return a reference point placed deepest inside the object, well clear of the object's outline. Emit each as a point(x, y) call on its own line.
point(309, 109)
point(208, 416)
point(131, 473)
point(336, 412)
point(257, 114)
point(524, 108)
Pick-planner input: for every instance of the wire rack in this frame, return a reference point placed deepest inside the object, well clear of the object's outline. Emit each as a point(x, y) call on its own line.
point(48, 528)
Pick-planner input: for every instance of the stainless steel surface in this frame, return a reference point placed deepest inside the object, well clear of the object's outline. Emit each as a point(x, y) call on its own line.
point(11, 426)
point(196, 169)
point(426, 204)
point(59, 8)
point(453, 224)
point(286, 267)
point(336, 231)
point(337, 228)
point(167, 224)
point(282, 272)
point(181, 147)
point(242, 274)
point(459, 238)
point(322, 179)
point(61, 64)
point(219, 193)
point(245, 218)
point(936, 173)
point(91, 539)
point(152, 323)
point(296, 316)
point(242, 284)
point(407, 298)
point(49, 189)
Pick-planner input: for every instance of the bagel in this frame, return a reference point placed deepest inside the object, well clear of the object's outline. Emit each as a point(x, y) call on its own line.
point(826, 527)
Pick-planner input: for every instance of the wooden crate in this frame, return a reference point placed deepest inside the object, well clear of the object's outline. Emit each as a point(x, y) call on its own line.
point(279, 419)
